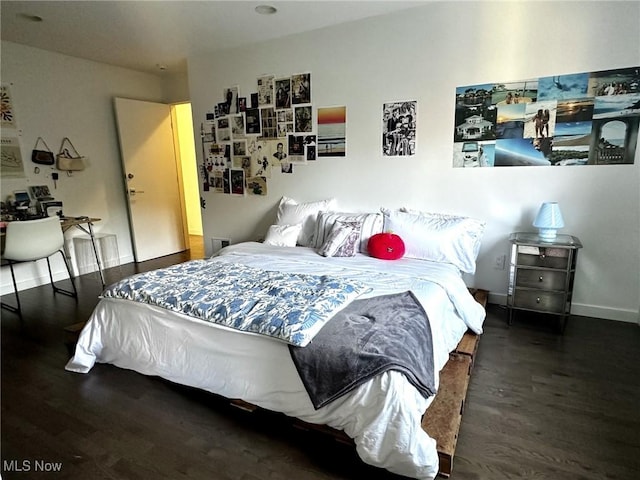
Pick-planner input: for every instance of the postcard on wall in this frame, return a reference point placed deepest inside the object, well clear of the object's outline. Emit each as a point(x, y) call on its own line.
point(265, 90)
point(242, 162)
point(218, 181)
point(237, 126)
point(236, 178)
point(303, 119)
point(217, 156)
point(209, 131)
point(310, 147)
point(239, 147)
point(286, 167)
point(252, 121)
point(279, 154)
point(283, 93)
point(269, 122)
point(257, 186)
point(301, 88)
point(7, 111)
point(265, 154)
point(230, 101)
point(561, 120)
point(285, 122)
point(12, 165)
point(223, 129)
point(296, 149)
point(399, 120)
point(332, 128)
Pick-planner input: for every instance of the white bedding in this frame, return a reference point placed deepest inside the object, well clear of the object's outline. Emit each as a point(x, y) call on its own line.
point(383, 416)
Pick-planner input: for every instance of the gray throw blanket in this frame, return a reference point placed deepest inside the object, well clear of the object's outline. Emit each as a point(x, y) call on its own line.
point(368, 337)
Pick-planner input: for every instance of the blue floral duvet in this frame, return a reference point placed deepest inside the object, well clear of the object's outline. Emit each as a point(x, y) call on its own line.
point(286, 306)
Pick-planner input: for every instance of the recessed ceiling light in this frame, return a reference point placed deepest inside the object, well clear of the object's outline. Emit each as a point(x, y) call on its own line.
point(266, 9)
point(30, 17)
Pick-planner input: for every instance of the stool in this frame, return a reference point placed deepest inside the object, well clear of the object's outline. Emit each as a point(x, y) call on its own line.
point(107, 246)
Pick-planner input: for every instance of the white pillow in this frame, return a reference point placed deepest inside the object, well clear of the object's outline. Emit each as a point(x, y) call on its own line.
point(283, 235)
point(437, 237)
point(371, 224)
point(291, 212)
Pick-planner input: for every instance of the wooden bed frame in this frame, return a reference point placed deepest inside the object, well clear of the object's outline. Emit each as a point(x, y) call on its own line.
point(443, 417)
point(441, 420)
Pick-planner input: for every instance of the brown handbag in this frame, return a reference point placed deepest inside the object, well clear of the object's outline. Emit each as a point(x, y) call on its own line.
point(42, 157)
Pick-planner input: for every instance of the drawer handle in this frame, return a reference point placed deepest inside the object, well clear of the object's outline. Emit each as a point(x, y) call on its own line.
point(540, 278)
point(538, 300)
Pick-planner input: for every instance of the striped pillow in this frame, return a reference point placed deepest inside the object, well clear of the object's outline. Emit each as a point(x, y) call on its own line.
point(371, 224)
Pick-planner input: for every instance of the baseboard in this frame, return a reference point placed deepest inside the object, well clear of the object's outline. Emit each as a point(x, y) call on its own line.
point(584, 310)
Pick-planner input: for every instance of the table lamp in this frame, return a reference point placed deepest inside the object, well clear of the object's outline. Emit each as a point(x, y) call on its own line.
point(548, 221)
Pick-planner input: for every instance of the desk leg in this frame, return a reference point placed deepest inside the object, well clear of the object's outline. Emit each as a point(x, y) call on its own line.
point(95, 251)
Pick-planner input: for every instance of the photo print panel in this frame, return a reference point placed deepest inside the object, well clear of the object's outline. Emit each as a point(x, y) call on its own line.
point(7, 112)
point(303, 120)
point(12, 165)
point(399, 120)
point(332, 131)
point(283, 93)
point(296, 149)
point(236, 178)
point(269, 123)
point(561, 120)
point(252, 121)
point(230, 104)
point(237, 126)
point(257, 186)
point(301, 88)
point(285, 122)
point(266, 90)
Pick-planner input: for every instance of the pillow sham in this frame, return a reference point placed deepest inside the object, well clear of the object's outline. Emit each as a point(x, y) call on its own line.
point(371, 223)
point(291, 212)
point(283, 235)
point(437, 237)
point(343, 240)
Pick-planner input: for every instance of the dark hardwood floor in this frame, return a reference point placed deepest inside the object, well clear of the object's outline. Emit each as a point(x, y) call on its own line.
point(540, 406)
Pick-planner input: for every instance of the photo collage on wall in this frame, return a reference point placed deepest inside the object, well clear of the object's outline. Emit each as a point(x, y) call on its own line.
point(576, 119)
point(246, 139)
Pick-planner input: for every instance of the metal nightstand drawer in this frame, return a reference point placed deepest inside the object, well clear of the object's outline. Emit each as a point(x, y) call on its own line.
point(542, 279)
point(540, 301)
point(543, 257)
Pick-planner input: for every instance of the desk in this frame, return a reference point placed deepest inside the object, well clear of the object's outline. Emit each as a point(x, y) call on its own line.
point(86, 225)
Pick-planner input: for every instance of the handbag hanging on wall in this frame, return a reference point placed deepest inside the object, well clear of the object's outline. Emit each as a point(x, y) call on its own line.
point(42, 157)
point(69, 160)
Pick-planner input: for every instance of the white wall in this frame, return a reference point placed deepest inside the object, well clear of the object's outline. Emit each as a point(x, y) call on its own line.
point(58, 96)
point(423, 54)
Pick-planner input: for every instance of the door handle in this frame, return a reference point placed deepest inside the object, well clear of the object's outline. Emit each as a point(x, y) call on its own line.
point(133, 191)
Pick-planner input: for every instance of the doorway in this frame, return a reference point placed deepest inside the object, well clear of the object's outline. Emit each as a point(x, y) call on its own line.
point(182, 119)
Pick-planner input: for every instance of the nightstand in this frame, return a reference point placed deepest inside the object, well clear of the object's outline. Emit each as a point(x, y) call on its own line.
point(541, 274)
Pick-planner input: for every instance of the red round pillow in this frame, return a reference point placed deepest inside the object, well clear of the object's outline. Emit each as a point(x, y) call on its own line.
point(387, 246)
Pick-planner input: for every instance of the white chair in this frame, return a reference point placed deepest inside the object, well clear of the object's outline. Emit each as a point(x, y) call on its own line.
point(31, 240)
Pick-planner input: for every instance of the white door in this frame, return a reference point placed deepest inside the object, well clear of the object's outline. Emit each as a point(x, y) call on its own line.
point(151, 178)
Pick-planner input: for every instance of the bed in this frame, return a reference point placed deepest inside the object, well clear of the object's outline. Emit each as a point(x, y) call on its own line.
point(382, 414)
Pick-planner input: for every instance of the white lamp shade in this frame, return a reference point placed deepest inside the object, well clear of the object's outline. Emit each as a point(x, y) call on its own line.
point(548, 220)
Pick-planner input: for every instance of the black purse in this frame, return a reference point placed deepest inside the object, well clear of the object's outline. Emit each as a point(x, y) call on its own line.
point(42, 157)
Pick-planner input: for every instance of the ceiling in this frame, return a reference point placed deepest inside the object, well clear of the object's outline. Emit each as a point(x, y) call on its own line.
point(158, 36)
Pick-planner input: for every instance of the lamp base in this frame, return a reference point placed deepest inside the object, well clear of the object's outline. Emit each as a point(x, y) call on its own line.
point(547, 234)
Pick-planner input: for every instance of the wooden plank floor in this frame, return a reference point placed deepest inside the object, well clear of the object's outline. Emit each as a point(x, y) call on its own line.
point(539, 406)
